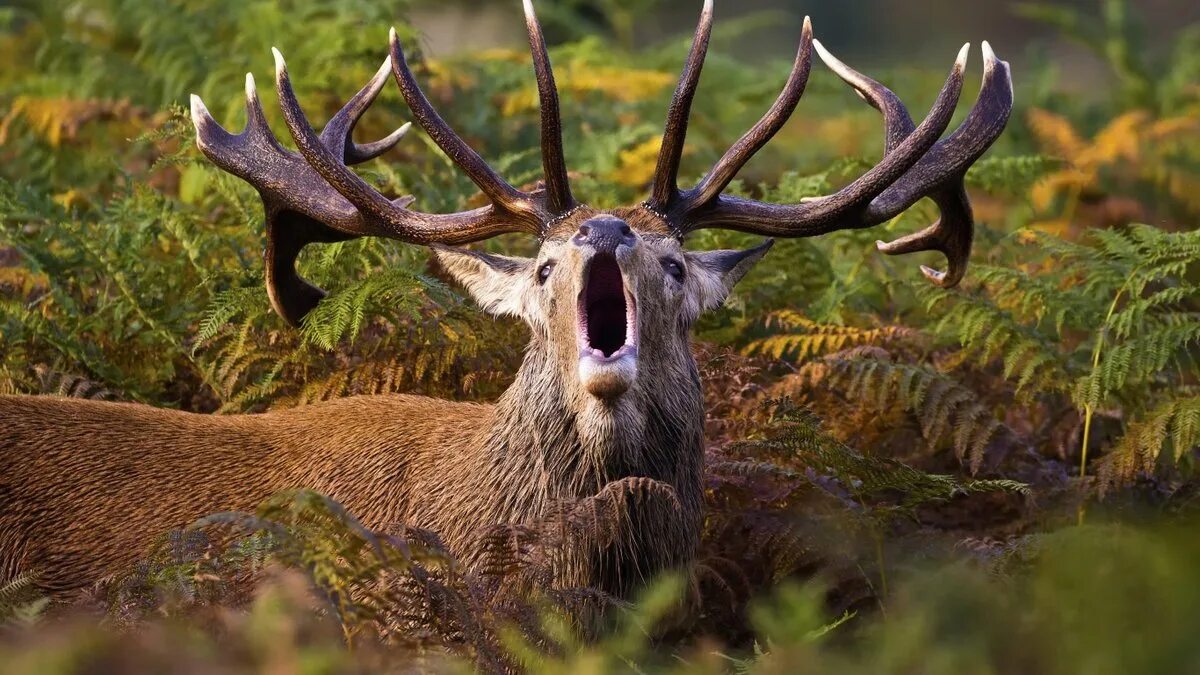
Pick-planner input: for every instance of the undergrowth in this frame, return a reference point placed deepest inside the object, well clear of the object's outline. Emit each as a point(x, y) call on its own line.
point(887, 462)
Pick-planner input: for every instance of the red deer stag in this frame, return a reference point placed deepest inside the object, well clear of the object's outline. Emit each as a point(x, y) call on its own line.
point(608, 396)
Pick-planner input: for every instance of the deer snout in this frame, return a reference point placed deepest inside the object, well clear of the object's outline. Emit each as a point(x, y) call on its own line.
point(605, 234)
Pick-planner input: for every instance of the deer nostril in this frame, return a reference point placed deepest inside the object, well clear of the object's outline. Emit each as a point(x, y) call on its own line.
point(605, 233)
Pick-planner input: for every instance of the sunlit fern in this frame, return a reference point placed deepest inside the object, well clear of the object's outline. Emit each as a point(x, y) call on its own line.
point(797, 337)
point(1110, 323)
point(945, 410)
point(20, 601)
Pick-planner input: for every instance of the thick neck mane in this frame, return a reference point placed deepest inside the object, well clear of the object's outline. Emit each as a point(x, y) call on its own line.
point(578, 444)
point(548, 448)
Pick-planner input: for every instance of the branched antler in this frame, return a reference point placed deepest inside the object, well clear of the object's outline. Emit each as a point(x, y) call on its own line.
point(314, 196)
point(300, 206)
point(915, 163)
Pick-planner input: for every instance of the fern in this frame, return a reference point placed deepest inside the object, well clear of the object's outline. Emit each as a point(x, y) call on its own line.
point(342, 314)
point(798, 434)
point(1174, 424)
point(945, 410)
point(1107, 323)
point(805, 338)
point(1011, 175)
point(20, 602)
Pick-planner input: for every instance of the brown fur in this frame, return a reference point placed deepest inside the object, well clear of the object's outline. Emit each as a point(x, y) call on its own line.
point(85, 486)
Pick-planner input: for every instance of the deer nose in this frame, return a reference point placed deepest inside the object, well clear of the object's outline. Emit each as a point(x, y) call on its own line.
point(605, 234)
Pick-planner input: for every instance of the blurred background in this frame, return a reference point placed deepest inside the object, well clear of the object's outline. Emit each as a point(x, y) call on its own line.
point(868, 33)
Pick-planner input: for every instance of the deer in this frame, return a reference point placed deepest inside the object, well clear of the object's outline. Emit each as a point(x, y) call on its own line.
point(608, 398)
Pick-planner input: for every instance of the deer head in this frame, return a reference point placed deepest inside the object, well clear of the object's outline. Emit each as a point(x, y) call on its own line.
point(611, 293)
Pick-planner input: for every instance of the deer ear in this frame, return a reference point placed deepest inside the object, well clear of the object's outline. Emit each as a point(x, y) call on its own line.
point(713, 274)
point(500, 284)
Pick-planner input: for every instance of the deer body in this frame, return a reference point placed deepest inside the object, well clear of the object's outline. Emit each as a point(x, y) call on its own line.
point(454, 468)
point(151, 470)
point(608, 394)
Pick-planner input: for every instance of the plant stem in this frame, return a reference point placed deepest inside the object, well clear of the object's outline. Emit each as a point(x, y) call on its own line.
point(1088, 407)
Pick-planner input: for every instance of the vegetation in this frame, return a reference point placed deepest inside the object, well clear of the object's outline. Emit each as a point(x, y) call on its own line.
point(995, 478)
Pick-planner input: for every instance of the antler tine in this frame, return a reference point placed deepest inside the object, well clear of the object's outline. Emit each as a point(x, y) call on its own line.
point(384, 217)
point(314, 197)
point(949, 159)
point(319, 156)
point(951, 234)
point(740, 152)
point(554, 164)
point(941, 173)
point(897, 123)
point(299, 205)
point(915, 165)
point(501, 194)
point(666, 172)
point(257, 157)
point(341, 125)
point(843, 209)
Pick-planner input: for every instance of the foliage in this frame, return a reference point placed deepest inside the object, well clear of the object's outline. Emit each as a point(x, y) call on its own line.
point(1111, 599)
point(892, 517)
point(1133, 150)
point(20, 603)
point(1163, 84)
point(862, 477)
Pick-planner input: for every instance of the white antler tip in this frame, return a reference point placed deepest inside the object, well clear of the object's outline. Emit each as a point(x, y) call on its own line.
point(200, 118)
point(392, 35)
point(251, 89)
point(961, 62)
point(708, 7)
point(527, 5)
point(384, 69)
point(835, 64)
point(280, 66)
point(989, 56)
point(807, 24)
point(932, 274)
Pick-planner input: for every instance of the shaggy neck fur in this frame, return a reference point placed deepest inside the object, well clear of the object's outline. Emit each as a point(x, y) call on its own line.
point(552, 446)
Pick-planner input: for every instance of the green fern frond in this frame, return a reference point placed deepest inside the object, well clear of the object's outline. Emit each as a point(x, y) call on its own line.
point(20, 601)
point(797, 433)
point(1011, 175)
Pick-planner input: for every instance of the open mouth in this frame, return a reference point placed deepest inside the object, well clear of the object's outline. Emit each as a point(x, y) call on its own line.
point(607, 315)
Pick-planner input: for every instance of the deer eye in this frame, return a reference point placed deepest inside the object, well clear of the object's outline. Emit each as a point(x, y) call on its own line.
point(544, 272)
point(674, 268)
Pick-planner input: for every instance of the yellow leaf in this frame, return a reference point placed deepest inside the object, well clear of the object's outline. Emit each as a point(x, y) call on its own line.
point(70, 198)
point(1117, 140)
point(1056, 133)
point(1043, 192)
point(635, 166)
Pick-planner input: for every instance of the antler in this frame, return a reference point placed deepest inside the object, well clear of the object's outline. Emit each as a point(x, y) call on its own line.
point(300, 206)
point(313, 196)
point(915, 163)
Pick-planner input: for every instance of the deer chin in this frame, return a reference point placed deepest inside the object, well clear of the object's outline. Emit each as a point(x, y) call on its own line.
point(607, 330)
